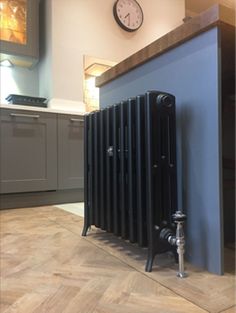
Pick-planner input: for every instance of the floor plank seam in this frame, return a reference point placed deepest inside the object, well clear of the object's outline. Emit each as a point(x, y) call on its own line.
point(231, 307)
point(143, 273)
point(134, 268)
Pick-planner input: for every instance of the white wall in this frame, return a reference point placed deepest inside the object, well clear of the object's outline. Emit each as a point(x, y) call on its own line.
point(74, 28)
point(87, 27)
point(18, 80)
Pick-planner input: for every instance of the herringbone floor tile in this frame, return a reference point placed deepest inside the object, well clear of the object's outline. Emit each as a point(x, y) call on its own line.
point(46, 266)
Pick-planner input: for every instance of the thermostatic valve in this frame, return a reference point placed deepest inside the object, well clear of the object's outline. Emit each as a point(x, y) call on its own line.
point(177, 240)
point(179, 219)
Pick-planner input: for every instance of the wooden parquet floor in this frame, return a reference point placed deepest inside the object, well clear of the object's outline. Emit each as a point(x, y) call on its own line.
point(46, 266)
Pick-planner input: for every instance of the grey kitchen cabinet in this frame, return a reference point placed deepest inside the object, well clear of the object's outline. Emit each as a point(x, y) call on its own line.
point(70, 151)
point(28, 151)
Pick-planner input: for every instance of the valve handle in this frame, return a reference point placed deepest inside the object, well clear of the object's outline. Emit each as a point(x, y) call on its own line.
point(179, 217)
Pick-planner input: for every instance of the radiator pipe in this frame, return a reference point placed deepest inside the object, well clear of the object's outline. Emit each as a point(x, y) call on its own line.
point(177, 240)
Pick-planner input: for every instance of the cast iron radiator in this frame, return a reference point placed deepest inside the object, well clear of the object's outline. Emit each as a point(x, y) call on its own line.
point(130, 183)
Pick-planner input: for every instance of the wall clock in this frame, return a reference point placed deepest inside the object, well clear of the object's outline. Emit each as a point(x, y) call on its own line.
point(128, 14)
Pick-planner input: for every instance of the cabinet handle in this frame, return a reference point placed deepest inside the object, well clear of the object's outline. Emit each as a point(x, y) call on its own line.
point(24, 115)
point(76, 120)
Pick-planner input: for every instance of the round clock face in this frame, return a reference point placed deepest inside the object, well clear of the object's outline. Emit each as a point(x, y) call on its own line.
point(128, 14)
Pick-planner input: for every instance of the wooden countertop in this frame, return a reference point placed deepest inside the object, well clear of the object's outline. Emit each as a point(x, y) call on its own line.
point(214, 16)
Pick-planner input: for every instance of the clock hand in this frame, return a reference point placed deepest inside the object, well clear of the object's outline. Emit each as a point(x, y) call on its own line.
point(128, 15)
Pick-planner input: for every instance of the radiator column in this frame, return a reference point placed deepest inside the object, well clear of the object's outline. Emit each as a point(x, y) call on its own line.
point(130, 174)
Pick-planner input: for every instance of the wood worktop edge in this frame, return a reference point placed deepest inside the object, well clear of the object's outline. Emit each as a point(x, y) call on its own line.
point(215, 16)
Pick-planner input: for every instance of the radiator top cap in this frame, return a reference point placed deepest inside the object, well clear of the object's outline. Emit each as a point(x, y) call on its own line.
point(164, 100)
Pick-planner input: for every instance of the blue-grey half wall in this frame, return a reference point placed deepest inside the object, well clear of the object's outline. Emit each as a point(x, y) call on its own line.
point(191, 72)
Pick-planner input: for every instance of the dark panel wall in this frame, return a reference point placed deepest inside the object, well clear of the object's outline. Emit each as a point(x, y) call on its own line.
point(191, 73)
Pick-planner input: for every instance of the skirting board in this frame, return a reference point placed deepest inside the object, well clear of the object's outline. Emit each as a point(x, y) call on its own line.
point(20, 200)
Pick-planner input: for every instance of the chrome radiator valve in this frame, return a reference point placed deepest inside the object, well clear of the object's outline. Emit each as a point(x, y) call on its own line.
point(179, 218)
point(178, 239)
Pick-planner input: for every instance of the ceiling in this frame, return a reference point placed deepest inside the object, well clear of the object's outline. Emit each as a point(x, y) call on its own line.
point(197, 6)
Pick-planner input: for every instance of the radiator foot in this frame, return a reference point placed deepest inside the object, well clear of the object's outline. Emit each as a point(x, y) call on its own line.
point(85, 229)
point(149, 263)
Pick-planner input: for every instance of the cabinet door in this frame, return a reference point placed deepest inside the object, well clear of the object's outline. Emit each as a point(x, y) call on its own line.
point(70, 151)
point(28, 151)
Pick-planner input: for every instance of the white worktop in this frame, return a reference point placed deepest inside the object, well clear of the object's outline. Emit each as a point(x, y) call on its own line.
point(40, 109)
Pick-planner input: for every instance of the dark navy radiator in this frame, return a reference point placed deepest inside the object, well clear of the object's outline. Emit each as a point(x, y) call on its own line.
point(130, 170)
